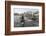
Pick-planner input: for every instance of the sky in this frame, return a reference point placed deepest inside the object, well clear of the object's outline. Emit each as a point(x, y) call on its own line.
point(22, 10)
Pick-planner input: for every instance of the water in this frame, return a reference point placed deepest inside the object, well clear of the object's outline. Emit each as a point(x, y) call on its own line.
point(27, 23)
